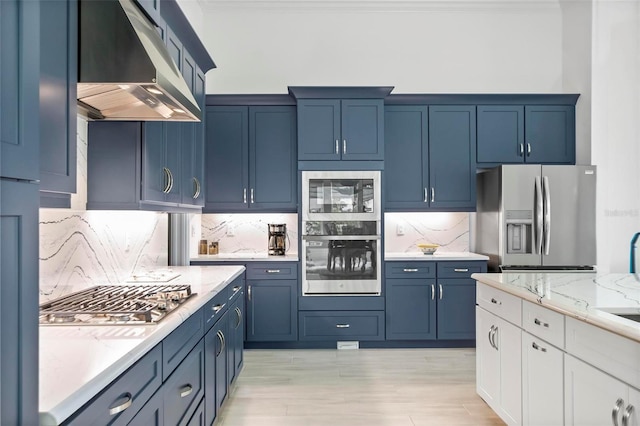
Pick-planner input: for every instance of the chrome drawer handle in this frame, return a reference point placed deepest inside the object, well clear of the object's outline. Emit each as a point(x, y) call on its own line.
point(433, 292)
point(186, 391)
point(218, 307)
point(616, 410)
point(538, 322)
point(410, 270)
point(494, 301)
point(342, 326)
point(337, 146)
point(441, 292)
point(120, 408)
point(252, 197)
point(244, 195)
point(537, 347)
point(627, 415)
point(273, 271)
point(236, 288)
point(461, 270)
point(344, 146)
point(239, 314)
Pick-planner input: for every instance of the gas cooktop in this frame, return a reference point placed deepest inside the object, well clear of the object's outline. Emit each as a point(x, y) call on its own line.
point(115, 305)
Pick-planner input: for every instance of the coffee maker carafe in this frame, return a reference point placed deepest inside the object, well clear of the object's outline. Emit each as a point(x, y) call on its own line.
point(277, 239)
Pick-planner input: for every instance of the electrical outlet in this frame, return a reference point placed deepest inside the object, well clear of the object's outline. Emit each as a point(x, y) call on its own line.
point(400, 230)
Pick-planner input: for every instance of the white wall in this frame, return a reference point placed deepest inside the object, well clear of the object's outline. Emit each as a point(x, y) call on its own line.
point(418, 47)
point(616, 128)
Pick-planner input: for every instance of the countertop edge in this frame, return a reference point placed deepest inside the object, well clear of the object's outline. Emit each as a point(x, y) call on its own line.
point(205, 259)
point(76, 400)
point(436, 257)
point(603, 319)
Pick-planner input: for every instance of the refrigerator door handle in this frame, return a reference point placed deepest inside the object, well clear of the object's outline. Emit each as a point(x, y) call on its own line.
point(538, 214)
point(547, 215)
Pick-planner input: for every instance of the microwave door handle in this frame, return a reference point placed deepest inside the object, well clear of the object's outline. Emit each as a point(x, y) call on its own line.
point(538, 213)
point(547, 215)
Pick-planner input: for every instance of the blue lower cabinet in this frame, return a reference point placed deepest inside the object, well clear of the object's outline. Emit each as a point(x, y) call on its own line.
point(236, 335)
point(152, 414)
point(272, 306)
point(179, 343)
point(198, 418)
point(456, 309)
point(341, 325)
point(411, 309)
point(185, 388)
point(221, 358)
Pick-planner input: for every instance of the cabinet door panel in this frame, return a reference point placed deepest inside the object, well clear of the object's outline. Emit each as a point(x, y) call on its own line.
point(197, 166)
point(406, 157)
point(211, 348)
point(272, 159)
point(19, 95)
point(487, 359)
point(221, 357)
point(184, 388)
point(318, 129)
point(550, 131)
point(500, 134)
point(508, 339)
point(452, 166)
point(153, 149)
point(271, 310)
point(173, 159)
point(456, 313)
point(227, 158)
point(362, 129)
point(410, 309)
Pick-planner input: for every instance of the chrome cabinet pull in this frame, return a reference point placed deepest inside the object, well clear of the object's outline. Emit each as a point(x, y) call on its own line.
point(536, 321)
point(197, 188)
point(537, 347)
point(167, 180)
point(236, 288)
point(433, 194)
point(239, 314)
point(528, 149)
point(222, 343)
point(120, 408)
point(170, 180)
point(218, 307)
point(433, 292)
point(495, 342)
point(273, 271)
point(410, 270)
point(495, 302)
point(252, 198)
point(425, 196)
point(461, 270)
point(249, 292)
point(344, 146)
point(441, 292)
point(337, 146)
point(489, 336)
point(616, 411)
point(521, 149)
point(627, 415)
point(244, 195)
point(186, 391)
point(342, 325)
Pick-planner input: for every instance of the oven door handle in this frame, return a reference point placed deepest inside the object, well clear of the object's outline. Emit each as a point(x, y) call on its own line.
point(339, 237)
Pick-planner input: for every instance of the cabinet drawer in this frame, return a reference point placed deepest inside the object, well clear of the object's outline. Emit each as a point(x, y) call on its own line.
point(341, 325)
point(605, 350)
point(235, 289)
point(134, 387)
point(410, 269)
point(460, 269)
point(180, 342)
point(498, 302)
point(185, 388)
point(543, 323)
point(215, 308)
point(272, 270)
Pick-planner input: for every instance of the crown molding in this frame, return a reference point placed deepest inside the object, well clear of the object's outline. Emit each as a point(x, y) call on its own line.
point(385, 5)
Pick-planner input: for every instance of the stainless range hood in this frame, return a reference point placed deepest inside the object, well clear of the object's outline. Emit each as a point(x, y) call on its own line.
point(125, 71)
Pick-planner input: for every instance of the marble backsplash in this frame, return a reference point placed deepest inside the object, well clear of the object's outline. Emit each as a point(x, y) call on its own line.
point(81, 249)
point(242, 233)
point(449, 230)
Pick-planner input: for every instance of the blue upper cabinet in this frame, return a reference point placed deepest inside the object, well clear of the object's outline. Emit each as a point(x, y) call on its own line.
point(429, 158)
point(452, 166)
point(250, 158)
point(58, 110)
point(550, 134)
point(340, 123)
point(536, 133)
point(19, 89)
point(151, 8)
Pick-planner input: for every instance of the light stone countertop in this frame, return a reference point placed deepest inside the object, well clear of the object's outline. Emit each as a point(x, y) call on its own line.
point(590, 297)
point(419, 256)
point(77, 362)
point(244, 257)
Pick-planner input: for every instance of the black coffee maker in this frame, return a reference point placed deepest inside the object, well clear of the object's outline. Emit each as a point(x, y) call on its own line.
point(277, 239)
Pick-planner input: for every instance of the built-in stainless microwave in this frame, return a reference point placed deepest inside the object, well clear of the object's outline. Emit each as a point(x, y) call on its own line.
point(341, 233)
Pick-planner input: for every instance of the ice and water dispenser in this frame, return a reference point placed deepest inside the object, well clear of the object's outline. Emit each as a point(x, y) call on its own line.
point(519, 231)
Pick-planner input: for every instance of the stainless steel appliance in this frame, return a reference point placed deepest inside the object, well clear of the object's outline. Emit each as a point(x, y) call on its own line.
point(537, 217)
point(341, 233)
point(277, 239)
point(115, 305)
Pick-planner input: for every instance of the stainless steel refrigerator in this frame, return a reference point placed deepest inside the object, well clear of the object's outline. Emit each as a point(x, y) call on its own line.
point(537, 217)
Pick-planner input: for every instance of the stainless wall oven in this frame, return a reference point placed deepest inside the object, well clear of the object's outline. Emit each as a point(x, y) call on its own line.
point(341, 233)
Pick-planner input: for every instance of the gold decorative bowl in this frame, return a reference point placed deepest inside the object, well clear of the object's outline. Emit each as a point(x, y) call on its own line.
point(428, 248)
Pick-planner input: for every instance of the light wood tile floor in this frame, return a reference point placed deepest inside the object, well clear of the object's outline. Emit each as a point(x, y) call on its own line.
point(372, 387)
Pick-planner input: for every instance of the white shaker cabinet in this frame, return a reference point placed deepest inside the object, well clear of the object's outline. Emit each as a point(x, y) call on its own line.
point(595, 398)
point(542, 378)
point(498, 365)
